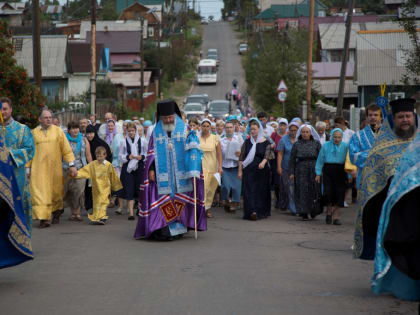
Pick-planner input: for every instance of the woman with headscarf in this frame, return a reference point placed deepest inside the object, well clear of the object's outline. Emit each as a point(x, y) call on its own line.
point(280, 131)
point(302, 172)
point(94, 142)
point(254, 172)
point(330, 164)
point(132, 154)
point(212, 163)
point(111, 131)
point(284, 148)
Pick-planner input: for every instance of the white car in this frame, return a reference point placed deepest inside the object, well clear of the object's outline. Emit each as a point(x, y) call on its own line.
point(193, 110)
point(243, 48)
point(204, 21)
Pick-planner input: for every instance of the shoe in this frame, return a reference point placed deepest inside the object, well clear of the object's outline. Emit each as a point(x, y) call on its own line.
point(118, 211)
point(304, 217)
point(227, 208)
point(346, 205)
point(44, 224)
point(103, 220)
point(131, 218)
point(328, 219)
point(56, 216)
point(97, 223)
point(337, 222)
point(208, 213)
point(313, 215)
point(254, 216)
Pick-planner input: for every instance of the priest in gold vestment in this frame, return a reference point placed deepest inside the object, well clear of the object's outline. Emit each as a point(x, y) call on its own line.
point(45, 170)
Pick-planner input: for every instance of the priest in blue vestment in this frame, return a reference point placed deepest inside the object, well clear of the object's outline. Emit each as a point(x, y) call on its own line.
point(361, 142)
point(166, 202)
point(20, 143)
point(15, 237)
point(393, 139)
point(397, 259)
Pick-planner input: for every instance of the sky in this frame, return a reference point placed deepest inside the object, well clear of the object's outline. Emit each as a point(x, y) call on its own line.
point(207, 7)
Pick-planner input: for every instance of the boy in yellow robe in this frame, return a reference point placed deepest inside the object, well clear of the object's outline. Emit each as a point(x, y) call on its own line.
point(104, 179)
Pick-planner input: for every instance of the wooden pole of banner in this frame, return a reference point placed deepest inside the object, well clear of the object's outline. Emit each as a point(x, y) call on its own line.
point(195, 209)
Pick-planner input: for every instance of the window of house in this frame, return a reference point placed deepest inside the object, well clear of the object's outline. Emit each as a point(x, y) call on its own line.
point(395, 96)
point(151, 32)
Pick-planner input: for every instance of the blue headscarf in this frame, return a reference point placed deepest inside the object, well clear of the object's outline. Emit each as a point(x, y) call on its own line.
point(147, 123)
point(78, 140)
point(336, 146)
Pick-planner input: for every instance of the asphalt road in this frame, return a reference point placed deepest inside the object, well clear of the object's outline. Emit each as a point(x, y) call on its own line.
point(275, 266)
point(221, 36)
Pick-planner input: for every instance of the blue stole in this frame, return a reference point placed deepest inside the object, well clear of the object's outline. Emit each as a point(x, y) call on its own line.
point(171, 174)
point(366, 137)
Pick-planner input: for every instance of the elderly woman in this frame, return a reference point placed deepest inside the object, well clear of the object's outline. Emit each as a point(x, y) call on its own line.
point(255, 173)
point(284, 148)
point(302, 171)
point(321, 127)
point(111, 131)
point(330, 164)
point(212, 163)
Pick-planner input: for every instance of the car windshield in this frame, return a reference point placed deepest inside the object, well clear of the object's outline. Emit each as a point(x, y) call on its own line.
point(195, 99)
point(219, 107)
point(213, 57)
point(244, 46)
point(193, 108)
point(206, 70)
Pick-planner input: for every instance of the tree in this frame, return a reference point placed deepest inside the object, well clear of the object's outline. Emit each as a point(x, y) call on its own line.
point(108, 11)
point(14, 82)
point(412, 56)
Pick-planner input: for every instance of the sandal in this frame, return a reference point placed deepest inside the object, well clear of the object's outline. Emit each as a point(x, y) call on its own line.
point(79, 218)
point(208, 213)
point(72, 217)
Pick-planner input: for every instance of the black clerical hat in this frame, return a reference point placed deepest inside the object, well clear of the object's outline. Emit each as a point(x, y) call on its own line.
point(402, 105)
point(166, 108)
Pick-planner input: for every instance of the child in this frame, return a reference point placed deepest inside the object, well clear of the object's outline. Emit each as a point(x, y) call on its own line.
point(104, 178)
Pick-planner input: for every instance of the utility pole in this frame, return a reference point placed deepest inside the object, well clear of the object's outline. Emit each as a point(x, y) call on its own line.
point(159, 59)
point(309, 63)
point(344, 59)
point(36, 44)
point(141, 66)
point(93, 58)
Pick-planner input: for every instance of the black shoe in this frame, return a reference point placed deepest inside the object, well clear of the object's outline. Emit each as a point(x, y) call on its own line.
point(254, 216)
point(313, 215)
point(328, 219)
point(103, 221)
point(131, 218)
point(304, 217)
point(337, 222)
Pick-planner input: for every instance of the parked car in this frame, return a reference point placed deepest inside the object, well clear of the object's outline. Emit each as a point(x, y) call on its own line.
point(204, 21)
point(194, 110)
point(203, 99)
point(219, 108)
point(243, 48)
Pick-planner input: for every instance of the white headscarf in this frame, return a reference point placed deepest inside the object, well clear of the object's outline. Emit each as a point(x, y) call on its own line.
point(314, 134)
point(133, 164)
point(251, 154)
point(284, 121)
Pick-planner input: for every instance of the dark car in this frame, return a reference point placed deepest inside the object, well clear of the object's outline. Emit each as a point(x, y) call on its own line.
point(219, 108)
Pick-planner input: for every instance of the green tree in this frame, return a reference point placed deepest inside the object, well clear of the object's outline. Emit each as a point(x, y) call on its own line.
point(14, 82)
point(412, 56)
point(274, 57)
point(108, 11)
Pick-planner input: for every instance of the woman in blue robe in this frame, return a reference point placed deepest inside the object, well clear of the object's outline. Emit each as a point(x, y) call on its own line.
point(15, 239)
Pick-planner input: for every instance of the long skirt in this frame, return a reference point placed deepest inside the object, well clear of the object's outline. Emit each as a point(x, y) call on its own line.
point(334, 181)
point(256, 191)
point(231, 183)
point(286, 192)
point(131, 182)
point(307, 197)
point(210, 187)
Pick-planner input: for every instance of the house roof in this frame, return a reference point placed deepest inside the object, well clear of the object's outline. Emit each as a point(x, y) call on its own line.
point(325, 70)
point(52, 9)
point(110, 26)
point(118, 42)
point(13, 5)
point(381, 57)
point(332, 35)
point(54, 60)
point(79, 54)
point(137, 6)
point(329, 88)
point(288, 10)
point(120, 5)
point(129, 78)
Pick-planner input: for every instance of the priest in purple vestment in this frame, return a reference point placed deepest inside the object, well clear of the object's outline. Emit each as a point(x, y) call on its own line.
point(166, 200)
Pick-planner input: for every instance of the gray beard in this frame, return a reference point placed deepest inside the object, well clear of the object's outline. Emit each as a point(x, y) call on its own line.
point(168, 127)
point(405, 134)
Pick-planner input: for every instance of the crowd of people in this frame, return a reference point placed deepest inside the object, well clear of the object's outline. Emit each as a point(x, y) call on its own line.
point(171, 173)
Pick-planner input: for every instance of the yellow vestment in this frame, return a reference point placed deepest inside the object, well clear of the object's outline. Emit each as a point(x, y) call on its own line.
point(210, 167)
point(46, 183)
point(104, 178)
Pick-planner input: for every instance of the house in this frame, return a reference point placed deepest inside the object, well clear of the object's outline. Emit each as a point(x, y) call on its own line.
point(266, 18)
point(55, 64)
point(381, 59)
point(332, 38)
point(120, 5)
point(113, 26)
point(124, 48)
point(12, 13)
point(71, 28)
point(137, 11)
point(55, 12)
point(266, 4)
point(326, 80)
point(79, 54)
